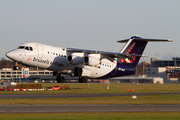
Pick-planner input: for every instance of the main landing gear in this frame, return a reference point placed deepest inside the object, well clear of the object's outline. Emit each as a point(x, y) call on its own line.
point(82, 80)
point(78, 72)
point(59, 78)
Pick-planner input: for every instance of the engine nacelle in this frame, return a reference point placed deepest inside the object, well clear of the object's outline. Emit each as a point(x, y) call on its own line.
point(74, 60)
point(86, 73)
point(92, 61)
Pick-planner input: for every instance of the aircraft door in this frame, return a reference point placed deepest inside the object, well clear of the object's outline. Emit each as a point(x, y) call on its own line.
point(40, 51)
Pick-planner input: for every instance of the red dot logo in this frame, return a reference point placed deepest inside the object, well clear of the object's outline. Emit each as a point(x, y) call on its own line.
point(122, 60)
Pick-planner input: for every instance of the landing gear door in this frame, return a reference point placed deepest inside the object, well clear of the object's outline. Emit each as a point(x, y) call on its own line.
point(40, 51)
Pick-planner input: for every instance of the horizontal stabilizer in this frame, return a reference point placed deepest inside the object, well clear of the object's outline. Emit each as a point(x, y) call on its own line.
point(144, 39)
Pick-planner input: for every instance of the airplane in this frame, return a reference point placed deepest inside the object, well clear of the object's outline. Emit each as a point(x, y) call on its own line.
point(83, 63)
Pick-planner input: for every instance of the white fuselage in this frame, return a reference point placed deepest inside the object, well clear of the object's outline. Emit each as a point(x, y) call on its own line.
point(55, 59)
point(83, 63)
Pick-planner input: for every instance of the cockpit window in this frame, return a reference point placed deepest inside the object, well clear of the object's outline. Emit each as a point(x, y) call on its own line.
point(21, 47)
point(27, 48)
point(31, 49)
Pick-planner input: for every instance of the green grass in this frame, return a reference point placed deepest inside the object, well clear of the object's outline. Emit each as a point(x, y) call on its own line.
point(102, 88)
point(99, 88)
point(149, 99)
point(93, 116)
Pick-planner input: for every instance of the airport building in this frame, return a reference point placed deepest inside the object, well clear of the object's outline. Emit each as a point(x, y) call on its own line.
point(24, 74)
point(169, 70)
point(27, 75)
point(163, 63)
point(138, 79)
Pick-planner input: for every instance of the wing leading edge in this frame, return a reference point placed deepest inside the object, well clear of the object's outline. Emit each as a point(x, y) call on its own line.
point(111, 54)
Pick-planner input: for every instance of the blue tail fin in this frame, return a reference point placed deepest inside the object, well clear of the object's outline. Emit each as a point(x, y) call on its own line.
point(135, 45)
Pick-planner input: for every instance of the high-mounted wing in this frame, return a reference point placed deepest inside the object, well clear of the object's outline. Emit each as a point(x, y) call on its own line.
point(111, 54)
point(131, 52)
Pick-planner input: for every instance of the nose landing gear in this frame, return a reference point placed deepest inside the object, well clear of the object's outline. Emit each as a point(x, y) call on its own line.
point(16, 66)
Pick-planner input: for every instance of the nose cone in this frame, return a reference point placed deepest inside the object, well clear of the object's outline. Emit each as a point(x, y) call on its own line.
point(11, 54)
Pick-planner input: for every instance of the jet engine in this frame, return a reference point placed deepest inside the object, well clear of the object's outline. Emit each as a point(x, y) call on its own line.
point(92, 61)
point(74, 60)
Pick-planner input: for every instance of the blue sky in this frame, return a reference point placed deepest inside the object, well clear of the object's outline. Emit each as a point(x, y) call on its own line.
point(90, 24)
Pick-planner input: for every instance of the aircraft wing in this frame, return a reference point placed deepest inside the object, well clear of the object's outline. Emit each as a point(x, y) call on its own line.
point(111, 54)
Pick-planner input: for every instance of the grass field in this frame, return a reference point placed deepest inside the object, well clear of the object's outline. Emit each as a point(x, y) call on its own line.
point(102, 88)
point(149, 99)
point(94, 116)
point(97, 88)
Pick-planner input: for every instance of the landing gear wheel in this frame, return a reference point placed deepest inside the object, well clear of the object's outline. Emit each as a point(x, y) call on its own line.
point(60, 79)
point(83, 80)
point(15, 67)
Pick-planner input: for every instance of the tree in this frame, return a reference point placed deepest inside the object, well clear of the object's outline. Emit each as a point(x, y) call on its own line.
point(6, 63)
point(10, 64)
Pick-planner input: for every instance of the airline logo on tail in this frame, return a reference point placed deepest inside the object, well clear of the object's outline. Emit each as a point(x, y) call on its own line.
point(130, 49)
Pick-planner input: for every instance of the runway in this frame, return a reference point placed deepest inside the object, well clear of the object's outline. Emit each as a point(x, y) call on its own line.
point(86, 108)
point(82, 108)
point(26, 96)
